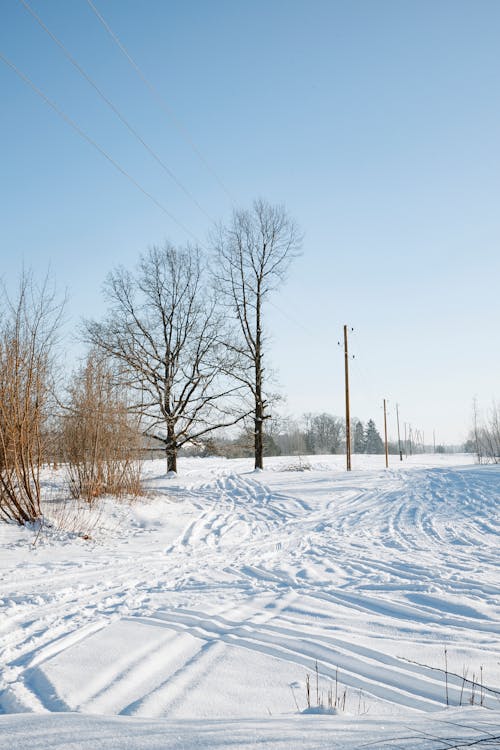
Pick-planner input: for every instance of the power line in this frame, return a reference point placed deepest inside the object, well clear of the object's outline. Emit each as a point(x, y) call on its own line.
point(161, 100)
point(93, 143)
point(114, 108)
point(289, 317)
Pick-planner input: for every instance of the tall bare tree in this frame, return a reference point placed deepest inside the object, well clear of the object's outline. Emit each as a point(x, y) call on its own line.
point(28, 326)
point(165, 336)
point(254, 253)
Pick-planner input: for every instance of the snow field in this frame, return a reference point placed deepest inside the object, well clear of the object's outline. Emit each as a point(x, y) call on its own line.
point(215, 597)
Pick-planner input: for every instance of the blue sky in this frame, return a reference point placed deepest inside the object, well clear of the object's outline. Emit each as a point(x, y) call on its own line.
point(375, 123)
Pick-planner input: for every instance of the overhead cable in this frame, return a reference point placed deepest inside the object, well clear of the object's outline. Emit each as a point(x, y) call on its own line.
point(162, 102)
point(93, 143)
point(113, 107)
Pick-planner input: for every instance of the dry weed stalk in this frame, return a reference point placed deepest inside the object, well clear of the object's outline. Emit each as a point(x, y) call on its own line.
point(335, 700)
point(462, 683)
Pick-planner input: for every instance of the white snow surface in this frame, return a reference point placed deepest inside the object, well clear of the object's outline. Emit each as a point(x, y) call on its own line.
point(191, 617)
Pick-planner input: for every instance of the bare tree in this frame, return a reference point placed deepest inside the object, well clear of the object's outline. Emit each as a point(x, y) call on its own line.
point(485, 435)
point(254, 253)
point(165, 336)
point(324, 433)
point(28, 325)
point(289, 436)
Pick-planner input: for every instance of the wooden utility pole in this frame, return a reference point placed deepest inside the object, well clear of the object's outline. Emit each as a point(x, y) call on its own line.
point(385, 436)
point(399, 436)
point(347, 406)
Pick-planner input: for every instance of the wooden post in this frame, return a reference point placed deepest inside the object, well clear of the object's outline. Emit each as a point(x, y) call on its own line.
point(385, 436)
point(399, 436)
point(347, 406)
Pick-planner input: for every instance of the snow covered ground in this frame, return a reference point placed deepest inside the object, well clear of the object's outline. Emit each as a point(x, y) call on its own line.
point(191, 620)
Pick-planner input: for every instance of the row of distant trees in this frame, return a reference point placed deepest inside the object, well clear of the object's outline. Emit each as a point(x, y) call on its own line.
point(313, 434)
point(325, 433)
point(179, 354)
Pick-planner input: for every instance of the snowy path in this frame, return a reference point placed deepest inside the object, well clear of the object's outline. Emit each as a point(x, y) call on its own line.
point(216, 597)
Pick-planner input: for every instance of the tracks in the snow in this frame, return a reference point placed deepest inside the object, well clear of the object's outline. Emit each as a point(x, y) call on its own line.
point(407, 552)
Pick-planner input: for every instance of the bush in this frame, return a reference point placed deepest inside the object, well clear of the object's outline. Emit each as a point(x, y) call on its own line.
point(100, 441)
point(27, 330)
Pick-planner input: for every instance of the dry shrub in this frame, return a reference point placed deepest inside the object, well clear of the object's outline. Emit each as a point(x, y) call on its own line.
point(27, 329)
point(101, 441)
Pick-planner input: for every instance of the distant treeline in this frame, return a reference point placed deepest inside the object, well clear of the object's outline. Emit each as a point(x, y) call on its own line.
point(313, 434)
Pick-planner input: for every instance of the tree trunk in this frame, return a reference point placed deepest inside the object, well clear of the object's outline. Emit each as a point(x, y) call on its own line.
point(171, 459)
point(171, 449)
point(259, 442)
point(259, 404)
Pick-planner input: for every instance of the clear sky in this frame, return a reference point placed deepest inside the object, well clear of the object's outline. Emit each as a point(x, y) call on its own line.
point(377, 124)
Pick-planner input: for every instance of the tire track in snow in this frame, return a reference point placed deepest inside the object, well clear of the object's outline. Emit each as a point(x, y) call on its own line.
point(388, 682)
point(394, 550)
